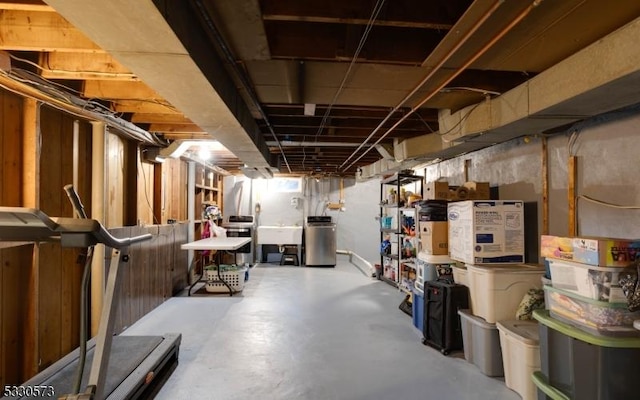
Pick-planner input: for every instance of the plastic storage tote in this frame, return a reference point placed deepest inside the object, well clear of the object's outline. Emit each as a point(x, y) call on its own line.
point(597, 283)
point(585, 366)
point(520, 355)
point(460, 274)
point(496, 291)
point(481, 342)
point(430, 268)
point(417, 309)
point(596, 317)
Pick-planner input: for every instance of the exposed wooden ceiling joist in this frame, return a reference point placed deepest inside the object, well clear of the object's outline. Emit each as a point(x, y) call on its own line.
point(119, 90)
point(41, 31)
point(160, 118)
point(83, 66)
point(145, 107)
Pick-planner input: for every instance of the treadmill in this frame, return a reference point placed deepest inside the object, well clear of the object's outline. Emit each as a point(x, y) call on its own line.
point(121, 367)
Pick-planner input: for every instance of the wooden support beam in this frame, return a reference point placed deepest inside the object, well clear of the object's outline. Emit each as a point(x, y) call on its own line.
point(145, 107)
point(41, 31)
point(356, 21)
point(160, 119)
point(31, 198)
point(571, 195)
point(187, 136)
point(545, 187)
point(98, 212)
point(127, 90)
point(83, 66)
point(25, 5)
point(175, 128)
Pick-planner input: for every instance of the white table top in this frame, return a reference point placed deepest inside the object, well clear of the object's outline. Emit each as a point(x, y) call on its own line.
point(217, 243)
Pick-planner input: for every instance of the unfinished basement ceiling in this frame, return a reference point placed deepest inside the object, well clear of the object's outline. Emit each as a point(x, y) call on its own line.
point(304, 87)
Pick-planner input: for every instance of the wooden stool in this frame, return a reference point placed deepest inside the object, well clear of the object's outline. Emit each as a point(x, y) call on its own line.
point(290, 256)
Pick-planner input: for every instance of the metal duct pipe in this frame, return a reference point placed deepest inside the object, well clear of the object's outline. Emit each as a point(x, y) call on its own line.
point(239, 73)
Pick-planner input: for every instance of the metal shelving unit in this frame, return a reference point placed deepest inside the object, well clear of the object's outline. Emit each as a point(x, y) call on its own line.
point(396, 266)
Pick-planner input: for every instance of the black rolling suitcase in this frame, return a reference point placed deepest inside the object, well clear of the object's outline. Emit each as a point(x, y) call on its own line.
point(441, 328)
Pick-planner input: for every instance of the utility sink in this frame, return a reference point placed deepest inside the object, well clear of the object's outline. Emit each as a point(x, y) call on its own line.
point(279, 235)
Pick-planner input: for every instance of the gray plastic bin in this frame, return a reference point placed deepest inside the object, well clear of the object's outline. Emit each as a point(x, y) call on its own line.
point(481, 342)
point(584, 366)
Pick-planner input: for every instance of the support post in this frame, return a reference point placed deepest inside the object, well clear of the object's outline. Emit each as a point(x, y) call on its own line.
point(98, 212)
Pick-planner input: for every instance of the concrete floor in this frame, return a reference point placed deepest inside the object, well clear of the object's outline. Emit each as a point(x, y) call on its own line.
point(309, 333)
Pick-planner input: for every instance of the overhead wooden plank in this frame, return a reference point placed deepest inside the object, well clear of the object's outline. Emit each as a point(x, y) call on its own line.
point(87, 66)
point(130, 90)
point(41, 31)
point(26, 5)
point(186, 136)
point(356, 21)
point(175, 128)
point(160, 119)
point(145, 107)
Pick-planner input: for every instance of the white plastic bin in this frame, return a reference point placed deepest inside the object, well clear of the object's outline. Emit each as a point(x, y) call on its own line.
point(597, 283)
point(519, 341)
point(481, 341)
point(428, 268)
point(496, 291)
point(460, 275)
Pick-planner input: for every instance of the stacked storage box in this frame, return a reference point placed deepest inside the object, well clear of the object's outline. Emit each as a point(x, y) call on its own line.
point(520, 354)
point(433, 227)
point(579, 365)
point(588, 345)
point(495, 293)
point(584, 290)
point(431, 267)
point(486, 231)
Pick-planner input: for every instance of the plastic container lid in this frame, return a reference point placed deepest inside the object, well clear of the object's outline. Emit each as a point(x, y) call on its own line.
point(466, 314)
point(527, 332)
point(431, 259)
point(507, 268)
point(605, 341)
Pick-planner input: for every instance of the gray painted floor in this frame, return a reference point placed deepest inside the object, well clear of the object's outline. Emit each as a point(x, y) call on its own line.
point(309, 333)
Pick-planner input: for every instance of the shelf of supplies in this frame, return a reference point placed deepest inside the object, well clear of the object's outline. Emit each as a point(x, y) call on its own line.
point(402, 179)
point(409, 264)
point(389, 230)
point(391, 256)
point(389, 281)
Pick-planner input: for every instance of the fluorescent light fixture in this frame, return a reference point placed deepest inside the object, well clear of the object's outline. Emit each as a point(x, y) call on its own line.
point(177, 148)
point(204, 153)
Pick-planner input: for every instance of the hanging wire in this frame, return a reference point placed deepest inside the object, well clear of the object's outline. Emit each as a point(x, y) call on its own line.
point(363, 39)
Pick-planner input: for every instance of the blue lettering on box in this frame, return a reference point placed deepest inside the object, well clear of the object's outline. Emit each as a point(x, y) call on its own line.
point(484, 238)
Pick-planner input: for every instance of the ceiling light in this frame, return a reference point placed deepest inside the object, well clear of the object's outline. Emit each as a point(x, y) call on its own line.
point(204, 153)
point(178, 147)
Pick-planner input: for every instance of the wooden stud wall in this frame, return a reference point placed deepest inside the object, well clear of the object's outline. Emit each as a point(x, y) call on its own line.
point(14, 276)
point(39, 285)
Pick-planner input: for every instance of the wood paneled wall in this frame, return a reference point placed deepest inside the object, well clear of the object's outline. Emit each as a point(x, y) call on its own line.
point(156, 271)
point(39, 284)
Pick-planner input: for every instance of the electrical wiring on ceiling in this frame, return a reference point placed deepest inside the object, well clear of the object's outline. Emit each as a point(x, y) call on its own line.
point(374, 15)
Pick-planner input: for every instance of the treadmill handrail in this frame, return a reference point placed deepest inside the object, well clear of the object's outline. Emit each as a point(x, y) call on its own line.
point(28, 224)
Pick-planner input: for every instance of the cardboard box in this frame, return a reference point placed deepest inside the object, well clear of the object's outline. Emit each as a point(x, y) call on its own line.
point(434, 237)
point(557, 247)
point(596, 251)
point(438, 190)
point(486, 231)
point(605, 252)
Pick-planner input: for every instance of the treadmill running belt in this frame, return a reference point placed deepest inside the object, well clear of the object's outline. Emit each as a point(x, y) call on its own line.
point(127, 352)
